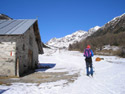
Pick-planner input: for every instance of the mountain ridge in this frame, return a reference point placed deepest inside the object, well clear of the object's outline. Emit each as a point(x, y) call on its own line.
point(75, 37)
point(112, 33)
point(4, 17)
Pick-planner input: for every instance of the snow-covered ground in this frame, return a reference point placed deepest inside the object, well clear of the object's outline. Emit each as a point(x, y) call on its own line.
point(109, 76)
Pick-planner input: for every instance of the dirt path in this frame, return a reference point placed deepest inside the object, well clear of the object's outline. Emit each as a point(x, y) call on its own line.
point(41, 77)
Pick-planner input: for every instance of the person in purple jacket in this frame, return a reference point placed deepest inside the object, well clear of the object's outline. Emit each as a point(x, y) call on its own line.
point(88, 53)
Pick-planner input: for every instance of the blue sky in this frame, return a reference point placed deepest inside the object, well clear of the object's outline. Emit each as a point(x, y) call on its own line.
point(57, 18)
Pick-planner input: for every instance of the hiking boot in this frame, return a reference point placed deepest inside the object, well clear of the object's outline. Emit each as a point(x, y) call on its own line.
point(87, 74)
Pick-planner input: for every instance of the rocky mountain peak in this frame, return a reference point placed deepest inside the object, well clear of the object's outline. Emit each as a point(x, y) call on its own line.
point(4, 17)
point(94, 29)
point(115, 25)
point(66, 40)
point(115, 21)
point(72, 38)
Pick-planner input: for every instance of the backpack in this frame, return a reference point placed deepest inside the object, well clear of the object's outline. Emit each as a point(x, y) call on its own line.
point(87, 53)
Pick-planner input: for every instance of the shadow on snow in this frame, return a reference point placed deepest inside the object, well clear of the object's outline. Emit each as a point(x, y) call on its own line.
point(45, 66)
point(3, 90)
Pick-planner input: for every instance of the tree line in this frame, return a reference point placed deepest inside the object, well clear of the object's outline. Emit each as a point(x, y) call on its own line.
point(97, 42)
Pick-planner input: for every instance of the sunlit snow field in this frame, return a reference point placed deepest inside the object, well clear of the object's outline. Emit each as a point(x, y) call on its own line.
point(109, 76)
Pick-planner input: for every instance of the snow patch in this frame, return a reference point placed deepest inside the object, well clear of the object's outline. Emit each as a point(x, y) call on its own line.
point(108, 47)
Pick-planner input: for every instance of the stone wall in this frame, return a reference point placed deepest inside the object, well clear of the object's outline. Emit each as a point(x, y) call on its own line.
point(28, 43)
point(7, 58)
point(8, 55)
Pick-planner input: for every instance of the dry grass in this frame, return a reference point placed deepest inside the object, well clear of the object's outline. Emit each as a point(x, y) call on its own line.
point(108, 52)
point(3, 83)
point(40, 77)
point(8, 77)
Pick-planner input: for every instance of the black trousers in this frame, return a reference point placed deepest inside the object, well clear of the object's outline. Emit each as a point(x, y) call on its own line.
point(88, 60)
point(89, 67)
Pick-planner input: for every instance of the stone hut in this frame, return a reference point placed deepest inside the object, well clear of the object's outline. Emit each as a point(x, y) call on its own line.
point(20, 44)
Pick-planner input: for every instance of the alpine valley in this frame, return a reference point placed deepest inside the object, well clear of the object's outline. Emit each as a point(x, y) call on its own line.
point(111, 34)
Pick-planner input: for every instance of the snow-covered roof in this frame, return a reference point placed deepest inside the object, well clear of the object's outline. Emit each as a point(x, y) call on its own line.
point(15, 27)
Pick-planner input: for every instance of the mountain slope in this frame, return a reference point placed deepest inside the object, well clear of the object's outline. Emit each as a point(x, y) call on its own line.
point(69, 39)
point(114, 26)
point(4, 17)
point(112, 33)
point(72, 38)
point(93, 30)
